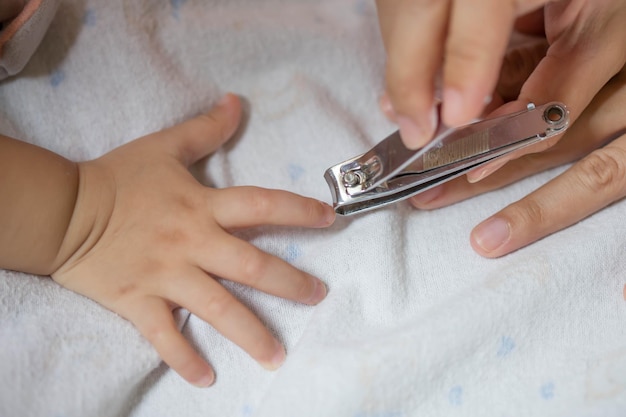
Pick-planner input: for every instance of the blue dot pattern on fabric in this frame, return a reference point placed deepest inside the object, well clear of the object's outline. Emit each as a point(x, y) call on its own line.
point(89, 18)
point(57, 77)
point(246, 411)
point(295, 171)
point(507, 345)
point(293, 252)
point(360, 7)
point(176, 6)
point(547, 391)
point(455, 396)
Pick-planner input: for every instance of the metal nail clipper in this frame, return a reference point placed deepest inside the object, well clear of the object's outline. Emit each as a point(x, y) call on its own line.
point(390, 172)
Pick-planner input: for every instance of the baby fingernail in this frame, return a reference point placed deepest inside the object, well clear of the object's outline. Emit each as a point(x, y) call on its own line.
point(278, 358)
point(319, 292)
point(329, 216)
point(225, 99)
point(492, 233)
point(205, 381)
point(416, 136)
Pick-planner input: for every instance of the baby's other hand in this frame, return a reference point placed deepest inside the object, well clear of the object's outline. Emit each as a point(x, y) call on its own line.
point(146, 238)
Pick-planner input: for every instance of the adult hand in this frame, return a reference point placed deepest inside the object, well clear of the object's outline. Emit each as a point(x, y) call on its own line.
point(464, 43)
point(597, 180)
point(146, 238)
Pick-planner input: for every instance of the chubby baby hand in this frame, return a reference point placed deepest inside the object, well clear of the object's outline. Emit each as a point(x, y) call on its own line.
point(146, 238)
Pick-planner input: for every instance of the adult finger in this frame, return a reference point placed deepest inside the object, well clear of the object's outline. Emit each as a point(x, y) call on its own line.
point(601, 121)
point(473, 56)
point(584, 55)
point(153, 318)
point(413, 32)
point(590, 185)
point(210, 301)
point(202, 135)
point(239, 261)
point(570, 73)
point(238, 207)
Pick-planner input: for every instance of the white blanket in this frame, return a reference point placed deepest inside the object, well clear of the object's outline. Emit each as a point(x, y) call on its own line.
point(415, 323)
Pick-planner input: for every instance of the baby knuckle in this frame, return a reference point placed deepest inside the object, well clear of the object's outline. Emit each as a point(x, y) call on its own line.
point(603, 169)
point(172, 236)
point(218, 306)
point(253, 266)
point(156, 333)
point(261, 203)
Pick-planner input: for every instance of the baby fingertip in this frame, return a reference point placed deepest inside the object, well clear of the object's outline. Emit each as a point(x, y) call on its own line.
point(205, 380)
point(277, 360)
point(329, 215)
point(319, 292)
point(227, 100)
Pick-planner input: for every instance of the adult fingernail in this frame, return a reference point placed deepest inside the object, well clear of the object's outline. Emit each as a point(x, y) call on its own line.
point(426, 197)
point(278, 358)
point(417, 135)
point(492, 234)
point(205, 381)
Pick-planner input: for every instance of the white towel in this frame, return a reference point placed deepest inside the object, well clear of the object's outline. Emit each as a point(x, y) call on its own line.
point(415, 323)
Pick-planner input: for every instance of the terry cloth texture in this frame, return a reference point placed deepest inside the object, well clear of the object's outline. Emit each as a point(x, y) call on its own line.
point(415, 323)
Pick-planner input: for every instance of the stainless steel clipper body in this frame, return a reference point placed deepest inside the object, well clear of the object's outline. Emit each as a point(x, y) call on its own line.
point(390, 172)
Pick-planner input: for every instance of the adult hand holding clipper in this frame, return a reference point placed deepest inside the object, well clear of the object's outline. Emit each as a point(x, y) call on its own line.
point(465, 43)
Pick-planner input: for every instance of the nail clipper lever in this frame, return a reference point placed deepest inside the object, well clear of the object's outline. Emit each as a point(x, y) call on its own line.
point(390, 172)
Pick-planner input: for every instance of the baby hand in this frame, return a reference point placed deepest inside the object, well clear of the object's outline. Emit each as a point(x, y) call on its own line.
point(146, 238)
